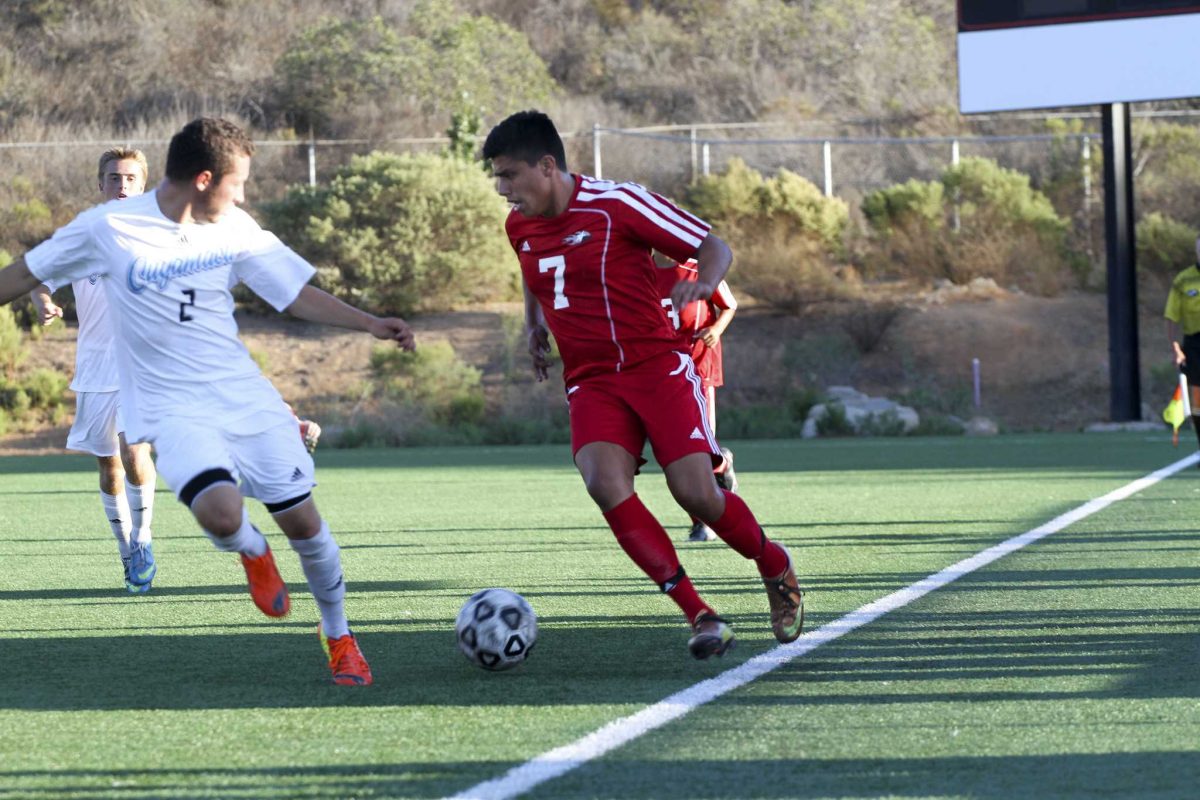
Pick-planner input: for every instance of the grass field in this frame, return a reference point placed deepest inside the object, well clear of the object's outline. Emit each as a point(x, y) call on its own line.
point(1070, 668)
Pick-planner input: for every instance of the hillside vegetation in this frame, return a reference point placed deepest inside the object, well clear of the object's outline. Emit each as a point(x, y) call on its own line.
point(387, 223)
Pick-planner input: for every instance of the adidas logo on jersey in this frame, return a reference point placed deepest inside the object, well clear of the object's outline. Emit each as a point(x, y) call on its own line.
point(696, 434)
point(297, 474)
point(578, 237)
point(525, 248)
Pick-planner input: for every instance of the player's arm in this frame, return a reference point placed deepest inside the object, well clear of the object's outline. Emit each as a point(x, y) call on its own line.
point(46, 308)
point(16, 280)
point(537, 335)
point(315, 305)
point(727, 303)
point(1173, 337)
point(712, 262)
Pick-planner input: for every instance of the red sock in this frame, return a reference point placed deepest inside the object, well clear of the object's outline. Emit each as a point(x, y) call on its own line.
point(741, 531)
point(644, 540)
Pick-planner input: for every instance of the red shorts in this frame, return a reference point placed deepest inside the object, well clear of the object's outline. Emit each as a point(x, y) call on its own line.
point(661, 399)
point(708, 364)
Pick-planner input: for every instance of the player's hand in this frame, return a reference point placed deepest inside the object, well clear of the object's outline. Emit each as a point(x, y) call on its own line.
point(708, 336)
point(395, 329)
point(47, 310)
point(686, 292)
point(539, 350)
point(1180, 358)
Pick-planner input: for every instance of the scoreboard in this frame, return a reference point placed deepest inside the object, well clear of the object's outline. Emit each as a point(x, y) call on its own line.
point(1015, 54)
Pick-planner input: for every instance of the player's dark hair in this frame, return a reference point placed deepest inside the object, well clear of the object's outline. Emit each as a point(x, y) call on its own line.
point(527, 136)
point(206, 144)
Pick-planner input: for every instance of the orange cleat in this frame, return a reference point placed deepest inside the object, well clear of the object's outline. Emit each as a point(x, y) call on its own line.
point(267, 588)
point(345, 660)
point(787, 603)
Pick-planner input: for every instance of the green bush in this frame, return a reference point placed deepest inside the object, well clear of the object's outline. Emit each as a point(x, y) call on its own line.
point(402, 233)
point(913, 202)
point(432, 380)
point(339, 74)
point(46, 388)
point(740, 201)
point(1008, 231)
point(12, 343)
point(834, 421)
point(1164, 246)
point(787, 237)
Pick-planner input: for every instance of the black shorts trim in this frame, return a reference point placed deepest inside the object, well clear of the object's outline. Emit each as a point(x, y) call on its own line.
point(202, 481)
point(275, 508)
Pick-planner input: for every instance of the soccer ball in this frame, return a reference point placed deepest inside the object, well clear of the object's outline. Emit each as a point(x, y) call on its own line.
point(496, 629)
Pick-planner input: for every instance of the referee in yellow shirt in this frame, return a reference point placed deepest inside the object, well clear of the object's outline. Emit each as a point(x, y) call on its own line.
point(1183, 312)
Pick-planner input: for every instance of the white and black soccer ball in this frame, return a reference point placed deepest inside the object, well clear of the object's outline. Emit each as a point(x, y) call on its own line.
point(496, 629)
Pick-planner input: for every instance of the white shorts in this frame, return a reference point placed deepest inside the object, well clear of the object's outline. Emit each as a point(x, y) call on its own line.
point(97, 422)
point(270, 465)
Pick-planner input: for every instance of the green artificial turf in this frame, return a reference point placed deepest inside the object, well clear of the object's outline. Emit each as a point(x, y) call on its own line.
point(1067, 669)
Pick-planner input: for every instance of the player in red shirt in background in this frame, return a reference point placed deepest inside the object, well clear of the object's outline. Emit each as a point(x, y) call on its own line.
point(585, 248)
point(700, 325)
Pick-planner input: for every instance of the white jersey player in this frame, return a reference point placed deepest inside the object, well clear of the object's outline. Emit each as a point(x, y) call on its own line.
point(127, 475)
point(168, 260)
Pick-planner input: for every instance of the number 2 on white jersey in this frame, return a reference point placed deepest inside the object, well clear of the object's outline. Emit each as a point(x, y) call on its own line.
point(559, 265)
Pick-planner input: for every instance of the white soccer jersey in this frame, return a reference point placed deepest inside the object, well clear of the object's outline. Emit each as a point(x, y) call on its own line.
point(168, 290)
point(95, 347)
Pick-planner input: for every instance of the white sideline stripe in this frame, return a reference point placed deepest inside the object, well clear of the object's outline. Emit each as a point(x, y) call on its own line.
point(561, 760)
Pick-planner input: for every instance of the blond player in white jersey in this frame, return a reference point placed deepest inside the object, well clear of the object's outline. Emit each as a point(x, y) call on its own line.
point(127, 476)
point(188, 385)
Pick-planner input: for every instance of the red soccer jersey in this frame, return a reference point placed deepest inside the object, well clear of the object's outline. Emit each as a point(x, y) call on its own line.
point(694, 317)
point(591, 270)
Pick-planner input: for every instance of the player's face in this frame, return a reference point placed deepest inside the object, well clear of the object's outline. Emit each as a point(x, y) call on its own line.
point(529, 188)
point(215, 199)
point(122, 179)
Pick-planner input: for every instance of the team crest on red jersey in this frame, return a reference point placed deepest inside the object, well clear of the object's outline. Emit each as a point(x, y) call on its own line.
point(578, 237)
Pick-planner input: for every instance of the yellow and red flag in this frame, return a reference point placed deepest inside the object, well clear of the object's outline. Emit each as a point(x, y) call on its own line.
point(1174, 414)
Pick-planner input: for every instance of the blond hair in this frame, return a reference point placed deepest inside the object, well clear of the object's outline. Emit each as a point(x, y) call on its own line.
point(123, 154)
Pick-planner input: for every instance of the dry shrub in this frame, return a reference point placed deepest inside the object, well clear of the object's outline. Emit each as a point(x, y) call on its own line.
point(1009, 257)
point(867, 324)
point(786, 269)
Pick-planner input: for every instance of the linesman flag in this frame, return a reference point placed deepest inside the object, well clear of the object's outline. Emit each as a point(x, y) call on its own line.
point(1177, 411)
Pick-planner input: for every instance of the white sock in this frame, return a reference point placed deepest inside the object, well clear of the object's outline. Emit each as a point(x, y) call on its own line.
point(141, 506)
point(322, 564)
point(247, 540)
point(116, 510)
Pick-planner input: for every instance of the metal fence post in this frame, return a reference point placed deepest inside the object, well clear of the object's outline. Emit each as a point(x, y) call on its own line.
point(695, 177)
point(596, 150)
point(957, 193)
point(704, 158)
point(312, 163)
point(827, 157)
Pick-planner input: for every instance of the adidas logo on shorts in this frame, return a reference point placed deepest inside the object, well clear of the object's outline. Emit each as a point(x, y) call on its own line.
point(696, 434)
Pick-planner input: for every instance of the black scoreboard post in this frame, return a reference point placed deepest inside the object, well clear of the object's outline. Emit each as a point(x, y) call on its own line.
point(1021, 54)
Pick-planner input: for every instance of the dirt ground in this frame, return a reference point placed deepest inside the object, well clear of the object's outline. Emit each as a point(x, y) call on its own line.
point(1043, 361)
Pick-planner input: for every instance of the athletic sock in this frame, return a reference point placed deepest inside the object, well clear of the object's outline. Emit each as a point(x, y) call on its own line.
point(248, 540)
point(116, 511)
point(644, 540)
point(321, 560)
point(141, 506)
point(741, 531)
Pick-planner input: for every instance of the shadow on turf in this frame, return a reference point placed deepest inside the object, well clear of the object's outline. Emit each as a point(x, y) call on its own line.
point(920, 657)
point(1071, 775)
point(1062, 776)
point(281, 665)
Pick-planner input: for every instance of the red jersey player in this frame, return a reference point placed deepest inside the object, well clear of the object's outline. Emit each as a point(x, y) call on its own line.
point(585, 251)
point(700, 325)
